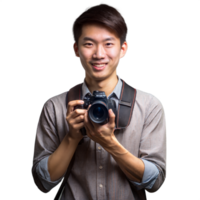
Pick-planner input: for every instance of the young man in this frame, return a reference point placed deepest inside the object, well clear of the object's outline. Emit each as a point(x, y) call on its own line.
point(109, 163)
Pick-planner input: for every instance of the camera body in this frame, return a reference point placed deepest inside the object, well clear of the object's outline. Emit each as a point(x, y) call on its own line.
point(98, 111)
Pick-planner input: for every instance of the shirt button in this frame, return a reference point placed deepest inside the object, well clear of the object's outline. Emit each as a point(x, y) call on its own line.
point(99, 147)
point(100, 167)
point(100, 185)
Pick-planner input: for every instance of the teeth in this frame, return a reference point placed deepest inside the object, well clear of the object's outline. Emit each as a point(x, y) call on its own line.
point(99, 65)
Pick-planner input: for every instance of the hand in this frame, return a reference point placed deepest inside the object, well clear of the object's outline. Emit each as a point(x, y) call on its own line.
point(102, 134)
point(75, 119)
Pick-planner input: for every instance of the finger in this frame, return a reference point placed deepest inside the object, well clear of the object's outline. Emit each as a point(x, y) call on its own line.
point(111, 118)
point(111, 113)
point(71, 118)
point(88, 107)
point(72, 104)
point(77, 112)
point(79, 119)
point(87, 121)
point(80, 125)
point(85, 125)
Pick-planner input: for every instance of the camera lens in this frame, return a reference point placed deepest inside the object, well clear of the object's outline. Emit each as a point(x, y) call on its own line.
point(98, 112)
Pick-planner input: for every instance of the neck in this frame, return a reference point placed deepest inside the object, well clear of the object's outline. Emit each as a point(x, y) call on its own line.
point(106, 85)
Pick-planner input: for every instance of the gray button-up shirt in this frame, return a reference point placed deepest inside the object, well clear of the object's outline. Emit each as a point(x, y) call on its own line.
point(95, 174)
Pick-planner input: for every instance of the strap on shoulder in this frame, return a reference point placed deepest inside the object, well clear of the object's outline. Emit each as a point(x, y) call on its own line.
point(126, 105)
point(74, 93)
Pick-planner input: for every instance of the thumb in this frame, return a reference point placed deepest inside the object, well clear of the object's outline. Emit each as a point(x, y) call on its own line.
point(111, 117)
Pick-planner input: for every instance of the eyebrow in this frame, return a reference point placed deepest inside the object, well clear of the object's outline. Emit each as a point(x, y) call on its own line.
point(107, 39)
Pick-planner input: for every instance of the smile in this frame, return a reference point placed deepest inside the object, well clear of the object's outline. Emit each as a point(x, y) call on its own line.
point(99, 66)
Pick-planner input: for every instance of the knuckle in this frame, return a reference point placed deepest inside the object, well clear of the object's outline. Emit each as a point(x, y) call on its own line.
point(76, 111)
point(70, 103)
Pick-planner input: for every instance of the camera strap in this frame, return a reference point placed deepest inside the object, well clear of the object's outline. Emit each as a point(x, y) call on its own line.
point(122, 120)
point(126, 106)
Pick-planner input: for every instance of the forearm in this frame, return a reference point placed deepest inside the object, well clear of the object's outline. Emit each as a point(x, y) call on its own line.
point(59, 161)
point(132, 166)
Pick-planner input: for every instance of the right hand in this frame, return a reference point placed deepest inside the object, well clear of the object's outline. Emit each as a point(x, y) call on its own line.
point(75, 119)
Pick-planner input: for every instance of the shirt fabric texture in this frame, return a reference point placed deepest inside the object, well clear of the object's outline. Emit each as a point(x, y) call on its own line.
point(95, 174)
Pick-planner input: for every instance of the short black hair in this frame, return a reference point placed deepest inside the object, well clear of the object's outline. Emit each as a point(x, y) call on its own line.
point(102, 14)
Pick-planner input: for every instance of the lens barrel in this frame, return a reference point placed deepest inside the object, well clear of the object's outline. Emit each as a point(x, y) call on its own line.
point(98, 112)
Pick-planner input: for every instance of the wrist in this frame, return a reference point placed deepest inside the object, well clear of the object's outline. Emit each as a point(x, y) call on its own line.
point(114, 147)
point(72, 140)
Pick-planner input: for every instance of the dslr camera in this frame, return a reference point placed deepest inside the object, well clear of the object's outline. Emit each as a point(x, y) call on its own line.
point(98, 111)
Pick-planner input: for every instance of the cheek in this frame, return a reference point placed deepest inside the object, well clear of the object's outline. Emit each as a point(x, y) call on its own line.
point(85, 55)
point(114, 55)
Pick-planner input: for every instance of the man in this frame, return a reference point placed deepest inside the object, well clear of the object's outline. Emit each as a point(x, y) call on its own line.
point(109, 163)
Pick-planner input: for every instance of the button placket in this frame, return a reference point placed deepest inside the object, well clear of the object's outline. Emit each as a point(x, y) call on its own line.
point(100, 156)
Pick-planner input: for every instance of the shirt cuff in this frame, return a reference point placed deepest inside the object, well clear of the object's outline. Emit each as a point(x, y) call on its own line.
point(44, 176)
point(149, 177)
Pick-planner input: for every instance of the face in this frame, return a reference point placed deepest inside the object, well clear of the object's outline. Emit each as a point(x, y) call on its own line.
point(99, 50)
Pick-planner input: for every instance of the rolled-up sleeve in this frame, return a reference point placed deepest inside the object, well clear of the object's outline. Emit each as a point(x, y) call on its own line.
point(44, 176)
point(153, 147)
point(149, 177)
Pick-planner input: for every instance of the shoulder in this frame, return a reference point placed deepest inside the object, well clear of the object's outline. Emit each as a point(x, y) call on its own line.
point(147, 99)
point(61, 98)
point(57, 101)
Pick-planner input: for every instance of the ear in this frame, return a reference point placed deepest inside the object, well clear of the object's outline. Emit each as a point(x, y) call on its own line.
point(124, 48)
point(76, 49)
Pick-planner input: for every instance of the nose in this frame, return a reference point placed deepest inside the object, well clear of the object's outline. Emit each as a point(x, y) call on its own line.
point(99, 52)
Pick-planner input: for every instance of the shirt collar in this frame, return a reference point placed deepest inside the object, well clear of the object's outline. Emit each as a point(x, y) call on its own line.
point(115, 93)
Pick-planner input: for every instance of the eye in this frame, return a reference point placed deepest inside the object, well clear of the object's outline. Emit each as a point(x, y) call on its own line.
point(88, 44)
point(109, 44)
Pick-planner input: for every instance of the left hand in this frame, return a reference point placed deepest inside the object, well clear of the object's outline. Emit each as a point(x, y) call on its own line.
point(102, 134)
